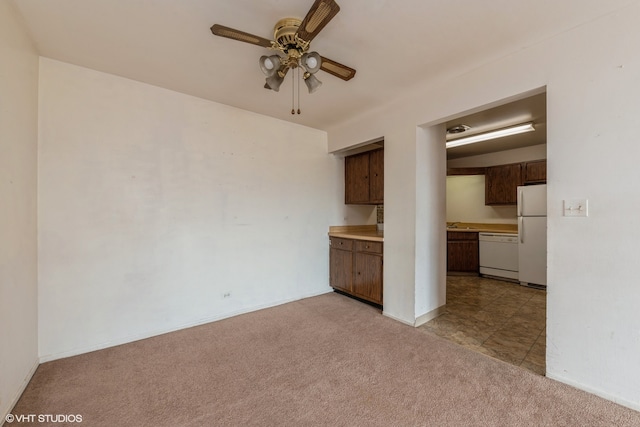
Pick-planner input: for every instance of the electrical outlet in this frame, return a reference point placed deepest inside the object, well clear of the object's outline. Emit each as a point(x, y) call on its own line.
point(575, 207)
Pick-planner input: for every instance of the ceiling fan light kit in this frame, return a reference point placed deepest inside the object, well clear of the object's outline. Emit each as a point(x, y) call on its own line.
point(291, 39)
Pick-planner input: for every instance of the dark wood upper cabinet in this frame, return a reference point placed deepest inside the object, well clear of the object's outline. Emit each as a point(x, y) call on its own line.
point(501, 184)
point(502, 181)
point(356, 179)
point(364, 178)
point(376, 176)
point(535, 172)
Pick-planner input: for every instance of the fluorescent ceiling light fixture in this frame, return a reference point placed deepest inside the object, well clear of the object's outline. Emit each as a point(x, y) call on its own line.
point(513, 130)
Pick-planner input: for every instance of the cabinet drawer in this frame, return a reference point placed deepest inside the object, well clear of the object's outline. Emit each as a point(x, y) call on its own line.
point(338, 243)
point(462, 235)
point(367, 246)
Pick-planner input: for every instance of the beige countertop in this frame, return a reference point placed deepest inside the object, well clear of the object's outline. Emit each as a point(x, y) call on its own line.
point(480, 227)
point(371, 233)
point(358, 232)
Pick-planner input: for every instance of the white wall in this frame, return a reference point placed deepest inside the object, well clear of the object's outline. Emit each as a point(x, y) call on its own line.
point(591, 79)
point(155, 205)
point(465, 202)
point(431, 262)
point(534, 152)
point(18, 197)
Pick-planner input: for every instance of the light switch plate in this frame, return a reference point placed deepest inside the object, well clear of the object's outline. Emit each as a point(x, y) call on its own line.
point(575, 207)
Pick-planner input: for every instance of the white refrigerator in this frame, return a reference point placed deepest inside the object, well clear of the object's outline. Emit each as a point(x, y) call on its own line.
point(532, 235)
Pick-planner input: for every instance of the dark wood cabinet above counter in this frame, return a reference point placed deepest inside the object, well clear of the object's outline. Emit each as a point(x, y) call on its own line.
point(501, 184)
point(535, 172)
point(364, 178)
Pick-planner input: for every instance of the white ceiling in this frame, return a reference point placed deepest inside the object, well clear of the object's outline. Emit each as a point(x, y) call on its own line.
point(393, 45)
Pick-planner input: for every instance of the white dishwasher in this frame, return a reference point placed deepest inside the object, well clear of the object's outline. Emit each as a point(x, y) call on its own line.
point(499, 255)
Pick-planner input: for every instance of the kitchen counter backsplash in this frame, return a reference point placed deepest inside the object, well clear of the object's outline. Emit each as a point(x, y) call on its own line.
point(380, 214)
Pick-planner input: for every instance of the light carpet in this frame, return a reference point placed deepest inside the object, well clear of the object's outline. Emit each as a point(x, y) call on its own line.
point(322, 361)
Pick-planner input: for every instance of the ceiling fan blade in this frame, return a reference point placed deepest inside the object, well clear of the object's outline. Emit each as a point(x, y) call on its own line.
point(337, 69)
point(230, 33)
point(318, 16)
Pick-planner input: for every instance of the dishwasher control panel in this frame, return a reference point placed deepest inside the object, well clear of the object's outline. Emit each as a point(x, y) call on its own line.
point(498, 237)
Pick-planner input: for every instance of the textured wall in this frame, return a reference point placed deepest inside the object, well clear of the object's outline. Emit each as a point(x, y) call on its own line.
point(18, 197)
point(158, 210)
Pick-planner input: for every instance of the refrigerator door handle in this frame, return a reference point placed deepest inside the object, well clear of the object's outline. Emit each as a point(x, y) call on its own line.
point(521, 229)
point(520, 202)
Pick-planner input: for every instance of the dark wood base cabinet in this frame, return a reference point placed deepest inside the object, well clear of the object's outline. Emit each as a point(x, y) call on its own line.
point(462, 252)
point(355, 268)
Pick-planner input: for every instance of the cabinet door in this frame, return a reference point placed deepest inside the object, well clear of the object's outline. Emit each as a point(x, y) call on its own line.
point(462, 256)
point(535, 172)
point(502, 183)
point(356, 177)
point(367, 277)
point(376, 177)
point(340, 269)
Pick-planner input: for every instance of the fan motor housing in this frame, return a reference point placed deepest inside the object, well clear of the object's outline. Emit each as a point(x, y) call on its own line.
point(284, 33)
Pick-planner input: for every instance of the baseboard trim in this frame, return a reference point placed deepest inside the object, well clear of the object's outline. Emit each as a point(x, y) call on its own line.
point(138, 337)
point(17, 396)
point(616, 399)
point(421, 320)
point(384, 313)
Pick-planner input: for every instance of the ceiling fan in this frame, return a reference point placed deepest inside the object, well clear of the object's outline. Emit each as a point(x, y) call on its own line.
point(291, 41)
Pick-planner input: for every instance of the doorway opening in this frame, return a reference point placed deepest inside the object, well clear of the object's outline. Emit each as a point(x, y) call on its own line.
point(493, 313)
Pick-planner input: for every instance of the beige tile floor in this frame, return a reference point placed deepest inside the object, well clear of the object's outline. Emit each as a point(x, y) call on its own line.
point(501, 319)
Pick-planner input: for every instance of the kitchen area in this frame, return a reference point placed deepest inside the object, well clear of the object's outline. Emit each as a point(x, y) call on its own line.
point(513, 250)
point(496, 193)
point(496, 235)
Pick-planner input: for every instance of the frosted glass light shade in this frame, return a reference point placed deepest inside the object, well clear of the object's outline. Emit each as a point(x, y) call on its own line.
point(273, 82)
point(312, 82)
point(311, 61)
point(269, 65)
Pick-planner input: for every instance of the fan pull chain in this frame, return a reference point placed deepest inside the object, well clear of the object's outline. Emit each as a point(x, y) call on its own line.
point(295, 75)
point(293, 90)
point(298, 72)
